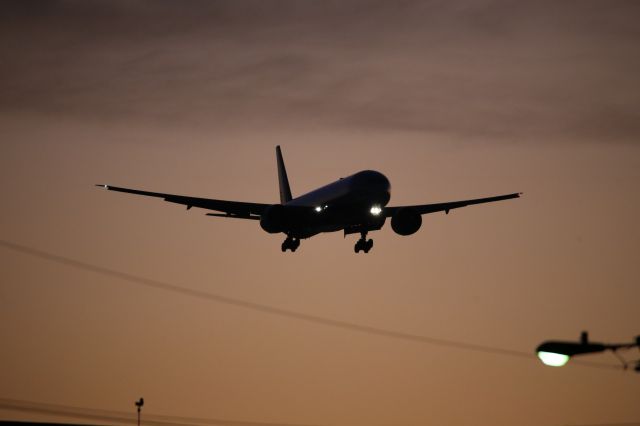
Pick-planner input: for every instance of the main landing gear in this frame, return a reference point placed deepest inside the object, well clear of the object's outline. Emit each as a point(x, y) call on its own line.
point(290, 244)
point(363, 244)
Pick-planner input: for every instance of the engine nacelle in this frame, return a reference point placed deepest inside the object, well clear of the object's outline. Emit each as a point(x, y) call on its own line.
point(273, 219)
point(406, 221)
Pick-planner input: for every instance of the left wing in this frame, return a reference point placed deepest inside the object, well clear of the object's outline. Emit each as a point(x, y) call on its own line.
point(445, 207)
point(237, 209)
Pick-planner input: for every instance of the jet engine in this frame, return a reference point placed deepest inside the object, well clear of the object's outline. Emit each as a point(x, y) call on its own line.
point(273, 219)
point(406, 221)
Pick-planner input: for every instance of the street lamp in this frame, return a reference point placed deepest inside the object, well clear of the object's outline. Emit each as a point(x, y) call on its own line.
point(557, 353)
point(139, 404)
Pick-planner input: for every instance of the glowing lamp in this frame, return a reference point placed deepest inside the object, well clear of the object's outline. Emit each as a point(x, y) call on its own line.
point(553, 359)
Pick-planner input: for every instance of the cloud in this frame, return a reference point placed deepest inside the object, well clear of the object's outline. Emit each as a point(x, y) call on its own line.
point(476, 69)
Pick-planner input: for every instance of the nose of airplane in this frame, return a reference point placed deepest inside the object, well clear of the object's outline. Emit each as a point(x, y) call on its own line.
point(372, 180)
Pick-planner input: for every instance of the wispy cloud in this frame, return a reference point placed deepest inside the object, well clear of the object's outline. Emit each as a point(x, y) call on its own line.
point(493, 69)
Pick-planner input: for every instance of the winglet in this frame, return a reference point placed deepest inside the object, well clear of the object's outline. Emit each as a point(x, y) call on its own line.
point(285, 190)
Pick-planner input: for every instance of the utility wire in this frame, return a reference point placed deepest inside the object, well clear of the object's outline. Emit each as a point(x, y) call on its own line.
point(85, 414)
point(120, 416)
point(274, 310)
point(158, 420)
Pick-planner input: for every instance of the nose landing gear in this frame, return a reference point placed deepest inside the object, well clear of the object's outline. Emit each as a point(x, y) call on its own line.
point(363, 244)
point(290, 244)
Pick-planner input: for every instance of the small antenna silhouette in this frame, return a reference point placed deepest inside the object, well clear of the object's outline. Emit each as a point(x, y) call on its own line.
point(139, 404)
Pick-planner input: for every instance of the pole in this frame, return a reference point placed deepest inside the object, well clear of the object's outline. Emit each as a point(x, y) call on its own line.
point(139, 404)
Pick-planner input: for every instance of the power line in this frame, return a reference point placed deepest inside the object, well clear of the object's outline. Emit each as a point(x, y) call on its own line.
point(159, 285)
point(74, 412)
point(158, 420)
point(120, 416)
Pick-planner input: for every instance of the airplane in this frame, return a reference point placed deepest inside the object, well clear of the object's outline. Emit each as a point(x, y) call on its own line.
point(354, 204)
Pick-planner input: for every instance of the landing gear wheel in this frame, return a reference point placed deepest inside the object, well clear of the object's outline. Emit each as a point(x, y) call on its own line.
point(363, 244)
point(290, 244)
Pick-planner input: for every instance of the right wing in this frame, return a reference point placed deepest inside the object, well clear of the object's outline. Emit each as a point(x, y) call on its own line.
point(445, 207)
point(237, 209)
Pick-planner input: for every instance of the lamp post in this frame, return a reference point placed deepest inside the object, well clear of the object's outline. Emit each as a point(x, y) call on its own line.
point(139, 404)
point(557, 353)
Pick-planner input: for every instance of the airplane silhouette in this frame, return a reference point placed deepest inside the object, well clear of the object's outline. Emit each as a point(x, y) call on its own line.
point(354, 204)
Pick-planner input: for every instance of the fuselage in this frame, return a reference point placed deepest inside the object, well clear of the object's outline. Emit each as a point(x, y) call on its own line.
point(351, 203)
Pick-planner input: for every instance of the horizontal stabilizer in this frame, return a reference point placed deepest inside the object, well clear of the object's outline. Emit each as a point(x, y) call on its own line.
point(234, 216)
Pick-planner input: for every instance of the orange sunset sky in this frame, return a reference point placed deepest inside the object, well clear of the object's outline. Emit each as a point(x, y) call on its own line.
point(449, 99)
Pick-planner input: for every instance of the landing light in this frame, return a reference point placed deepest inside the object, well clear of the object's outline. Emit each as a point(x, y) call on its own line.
point(318, 209)
point(376, 210)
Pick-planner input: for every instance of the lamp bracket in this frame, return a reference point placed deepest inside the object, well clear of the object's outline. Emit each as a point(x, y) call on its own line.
point(624, 362)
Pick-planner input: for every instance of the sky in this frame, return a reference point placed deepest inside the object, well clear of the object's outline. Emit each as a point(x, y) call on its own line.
point(449, 99)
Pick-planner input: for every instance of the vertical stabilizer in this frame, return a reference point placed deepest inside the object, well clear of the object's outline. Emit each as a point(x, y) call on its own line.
point(285, 190)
